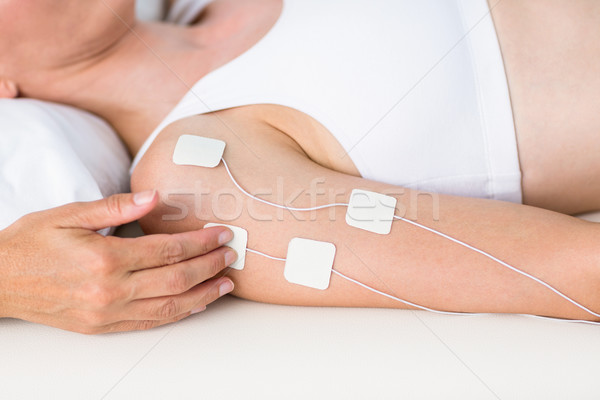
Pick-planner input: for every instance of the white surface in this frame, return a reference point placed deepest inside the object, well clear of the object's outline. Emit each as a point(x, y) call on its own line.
point(52, 154)
point(370, 211)
point(239, 349)
point(238, 243)
point(198, 151)
point(309, 262)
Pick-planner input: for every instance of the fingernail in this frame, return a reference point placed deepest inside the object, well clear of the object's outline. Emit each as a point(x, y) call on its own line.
point(198, 310)
point(143, 198)
point(225, 236)
point(230, 257)
point(225, 288)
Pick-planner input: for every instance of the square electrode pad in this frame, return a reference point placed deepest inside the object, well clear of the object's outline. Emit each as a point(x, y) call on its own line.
point(309, 263)
point(371, 211)
point(198, 151)
point(238, 243)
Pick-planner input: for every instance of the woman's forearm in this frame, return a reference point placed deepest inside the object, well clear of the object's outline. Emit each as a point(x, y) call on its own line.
point(431, 271)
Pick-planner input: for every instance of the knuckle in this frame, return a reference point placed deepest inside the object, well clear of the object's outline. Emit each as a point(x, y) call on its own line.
point(114, 205)
point(216, 264)
point(172, 252)
point(169, 309)
point(213, 294)
point(74, 208)
point(204, 246)
point(102, 262)
point(178, 282)
point(100, 296)
point(145, 325)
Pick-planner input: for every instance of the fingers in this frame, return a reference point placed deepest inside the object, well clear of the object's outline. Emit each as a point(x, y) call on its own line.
point(169, 307)
point(150, 313)
point(141, 325)
point(159, 250)
point(112, 211)
point(179, 278)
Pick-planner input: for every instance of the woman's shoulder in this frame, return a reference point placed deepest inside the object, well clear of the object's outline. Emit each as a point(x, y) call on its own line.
point(249, 140)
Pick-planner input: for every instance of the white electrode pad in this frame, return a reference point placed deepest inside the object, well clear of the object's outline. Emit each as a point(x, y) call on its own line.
point(238, 243)
point(373, 212)
point(198, 151)
point(309, 263)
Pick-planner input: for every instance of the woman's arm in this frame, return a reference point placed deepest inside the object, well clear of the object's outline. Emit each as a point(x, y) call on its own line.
point(409, 263)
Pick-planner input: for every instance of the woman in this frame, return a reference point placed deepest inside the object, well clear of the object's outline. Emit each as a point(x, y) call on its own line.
point(411, 95)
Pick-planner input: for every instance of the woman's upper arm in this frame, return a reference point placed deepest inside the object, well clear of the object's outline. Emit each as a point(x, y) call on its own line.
point(409, 262)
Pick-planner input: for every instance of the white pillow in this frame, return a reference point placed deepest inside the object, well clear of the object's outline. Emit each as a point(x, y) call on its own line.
point(182, 12)
point(150, 10)
point(52, 154)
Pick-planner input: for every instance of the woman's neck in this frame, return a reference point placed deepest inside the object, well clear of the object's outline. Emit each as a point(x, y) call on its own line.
point(136, 82)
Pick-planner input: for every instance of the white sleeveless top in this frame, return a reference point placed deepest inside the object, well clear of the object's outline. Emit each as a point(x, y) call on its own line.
point(414, 91)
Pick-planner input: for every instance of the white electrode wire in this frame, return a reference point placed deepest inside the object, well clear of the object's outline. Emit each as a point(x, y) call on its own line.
point(275, 204)
point(423, 307)
point(541, 282)
point(396, 298)
point(579, 321)
point(265, 255)
point(455, 313)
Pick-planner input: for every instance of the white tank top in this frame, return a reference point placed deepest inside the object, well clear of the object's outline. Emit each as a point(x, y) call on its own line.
point(414, 91)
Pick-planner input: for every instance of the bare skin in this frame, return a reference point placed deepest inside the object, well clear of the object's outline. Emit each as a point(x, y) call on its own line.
point(550, 61)
point(551, 53)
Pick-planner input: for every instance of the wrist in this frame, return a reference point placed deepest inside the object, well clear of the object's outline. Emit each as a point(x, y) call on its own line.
point(4, 313)
point(4, 265)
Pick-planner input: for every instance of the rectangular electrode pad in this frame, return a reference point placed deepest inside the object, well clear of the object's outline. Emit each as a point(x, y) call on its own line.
point(238, 243)
point(198, 151)
point(371, 211)
point(309, 263)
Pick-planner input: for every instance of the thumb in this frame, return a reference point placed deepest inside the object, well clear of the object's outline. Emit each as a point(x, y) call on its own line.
point(112, 211)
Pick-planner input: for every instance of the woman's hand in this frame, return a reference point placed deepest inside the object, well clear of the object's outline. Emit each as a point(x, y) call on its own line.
point(56, 270)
